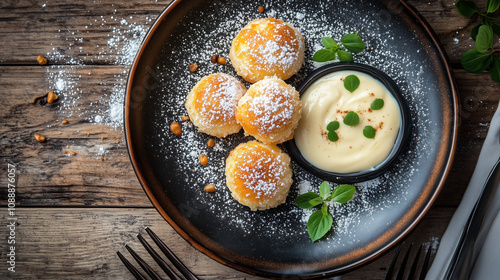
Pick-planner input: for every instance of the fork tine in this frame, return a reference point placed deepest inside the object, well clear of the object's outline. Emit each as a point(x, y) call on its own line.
point(403, 264)
point(158, 259)
point(426, 264)
point(130, 267)
point(414, 265)
point(390, 270)
point(171, 256)
point(143, 264)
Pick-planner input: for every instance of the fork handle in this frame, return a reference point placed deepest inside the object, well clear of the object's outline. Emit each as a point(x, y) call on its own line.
point(171, 256)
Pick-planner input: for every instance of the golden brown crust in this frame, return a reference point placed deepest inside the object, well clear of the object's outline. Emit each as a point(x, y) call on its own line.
point(267, 47)
point(258, 175)
point(212, 103)
point(270, 111)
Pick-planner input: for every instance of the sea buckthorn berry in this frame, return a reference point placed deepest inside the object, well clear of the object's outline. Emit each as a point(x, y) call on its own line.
point(210, 188)
point(214, 58)
point(176, 128)
point(41, 60)
point(39, 137)
point(221, 60)
point(203, 159)
point(51, 97)
point(211, 143)
point(193, 67)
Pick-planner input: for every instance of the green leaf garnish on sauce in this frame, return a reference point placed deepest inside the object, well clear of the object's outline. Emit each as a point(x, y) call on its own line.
point(377, 104)
point(333, 136)
point(351, 119)
point(334, 125)
point(351, 83)
point(369, 132)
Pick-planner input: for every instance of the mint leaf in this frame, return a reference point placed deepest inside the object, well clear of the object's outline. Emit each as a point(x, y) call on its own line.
point(351, 83)
point(466, 8)
point(377, 104)
point(496, 28)
point(353, 42)
point(369, 132)
point(319, 223)
point(308, 200)
point(333, 136)
point(324, 190)
point(323, 55)
point(343, 193)
point(484, 38)
point(344, 56)
point(476, 62)
point(334, 125)
point(329, 43)
point(474, 31)
point(351, 119)
point(495, 69)
point(492, 6)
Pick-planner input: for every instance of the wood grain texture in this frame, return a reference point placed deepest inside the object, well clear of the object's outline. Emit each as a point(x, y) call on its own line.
point(78, 31)
point(82, 244)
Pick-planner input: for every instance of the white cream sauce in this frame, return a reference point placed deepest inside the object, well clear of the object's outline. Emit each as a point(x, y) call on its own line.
point(327, 100)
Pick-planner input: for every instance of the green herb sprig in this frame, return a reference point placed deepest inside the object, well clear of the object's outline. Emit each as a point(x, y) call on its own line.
point(350, 42)
point(484, 56)
point(321, 221)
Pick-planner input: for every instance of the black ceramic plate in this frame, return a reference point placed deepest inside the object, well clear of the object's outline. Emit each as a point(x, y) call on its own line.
point(275, 242)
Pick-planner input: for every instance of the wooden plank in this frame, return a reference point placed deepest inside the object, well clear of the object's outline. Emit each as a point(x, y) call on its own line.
point(82, 243)
point(48, 176)
point(76, 32)
point(79, 32)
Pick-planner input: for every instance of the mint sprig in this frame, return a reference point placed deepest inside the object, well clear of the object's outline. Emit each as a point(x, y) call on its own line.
point(350, 42)
point(321, 221)
point(484, 56)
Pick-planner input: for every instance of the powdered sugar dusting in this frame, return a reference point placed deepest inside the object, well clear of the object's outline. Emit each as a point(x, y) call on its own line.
point(220, 99)
point(261, 172)
point(269, 51)
point(272, 107)
point(119, 49)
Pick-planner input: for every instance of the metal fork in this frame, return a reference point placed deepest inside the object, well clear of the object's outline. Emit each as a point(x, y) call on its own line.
point(414, 265)
point(149, 271)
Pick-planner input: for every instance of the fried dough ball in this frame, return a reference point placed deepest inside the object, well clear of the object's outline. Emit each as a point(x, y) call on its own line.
point(267, 47)
point(270, 111)
point(212, 103)
point(258, 175)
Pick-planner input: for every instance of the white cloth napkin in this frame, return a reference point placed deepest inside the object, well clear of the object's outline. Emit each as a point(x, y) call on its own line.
point(486, 253)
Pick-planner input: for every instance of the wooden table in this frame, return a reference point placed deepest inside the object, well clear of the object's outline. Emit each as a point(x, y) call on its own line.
point(77, 199)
